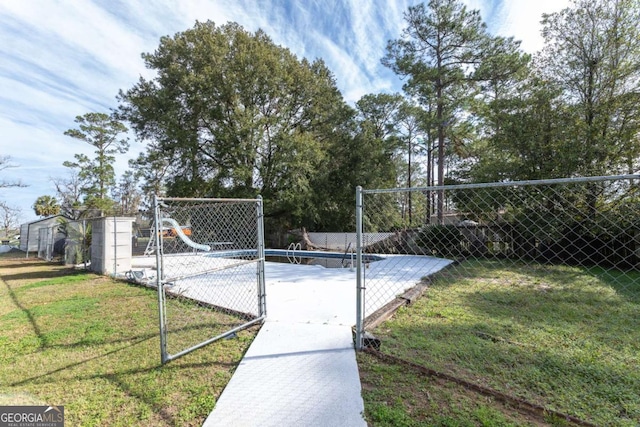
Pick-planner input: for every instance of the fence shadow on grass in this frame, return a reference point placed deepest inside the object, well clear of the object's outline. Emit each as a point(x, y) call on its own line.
point(564, 337)
point(56, 271)
point(53, 345)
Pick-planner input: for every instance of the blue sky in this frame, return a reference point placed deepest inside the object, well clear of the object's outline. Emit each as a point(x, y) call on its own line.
point(63, 58)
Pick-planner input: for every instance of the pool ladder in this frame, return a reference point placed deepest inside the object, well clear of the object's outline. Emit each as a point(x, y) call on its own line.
point(292, 248)
point(293, 259)
point(344, 257)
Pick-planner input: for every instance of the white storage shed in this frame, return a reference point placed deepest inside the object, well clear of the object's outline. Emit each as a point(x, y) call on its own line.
point(30, 231)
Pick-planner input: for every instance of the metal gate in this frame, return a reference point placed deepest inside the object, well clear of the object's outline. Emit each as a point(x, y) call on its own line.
point(210, 270)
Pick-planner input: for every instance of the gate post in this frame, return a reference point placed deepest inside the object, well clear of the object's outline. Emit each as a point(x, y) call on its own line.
point(156, 230)
point(260, 255)
point(359, 283)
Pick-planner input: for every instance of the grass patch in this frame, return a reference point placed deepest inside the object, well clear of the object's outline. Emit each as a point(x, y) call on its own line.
point(67, 278)
point(396, 396)
point(91, 344)
point(565, 338)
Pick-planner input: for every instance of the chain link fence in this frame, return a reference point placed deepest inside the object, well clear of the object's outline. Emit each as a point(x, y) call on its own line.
point(531, 288)
point(72, 242)
point(46, 241)
point(68, 241)
point(210, 270)
point(343, 242)
point(141, 234)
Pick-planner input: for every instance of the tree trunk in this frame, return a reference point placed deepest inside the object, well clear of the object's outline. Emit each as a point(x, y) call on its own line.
point(409, 182)
point(439, 119)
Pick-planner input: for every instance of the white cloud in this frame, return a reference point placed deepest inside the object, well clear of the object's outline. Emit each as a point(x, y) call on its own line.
point(521, 19)
point(62, 58)
point(78, 41)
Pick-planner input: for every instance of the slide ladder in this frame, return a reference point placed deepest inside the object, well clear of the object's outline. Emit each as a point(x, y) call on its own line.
point(151, 245)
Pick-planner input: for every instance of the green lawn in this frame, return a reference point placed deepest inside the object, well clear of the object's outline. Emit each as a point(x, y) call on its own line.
point(564, 338)
point(91, 344)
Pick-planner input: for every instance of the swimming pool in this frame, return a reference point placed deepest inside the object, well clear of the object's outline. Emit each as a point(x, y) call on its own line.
point(325, 259)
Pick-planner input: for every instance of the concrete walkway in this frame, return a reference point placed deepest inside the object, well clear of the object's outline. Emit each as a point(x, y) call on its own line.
point(301, 368)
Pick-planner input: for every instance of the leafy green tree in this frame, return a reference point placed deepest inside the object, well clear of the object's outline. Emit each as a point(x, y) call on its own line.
point(150, 171)
point(444, 51)
point(398, 124)
point(412, 133)
point(370, 158)
point(524, 136)
point(45, 206)
point(575, 112)
point(357, 157)
point(592, 52)
point(232, 114)
point(377, 118)
point(102, 132)
point(500, 109)
point(378, 112)
point(127, 195)
point(440, 43)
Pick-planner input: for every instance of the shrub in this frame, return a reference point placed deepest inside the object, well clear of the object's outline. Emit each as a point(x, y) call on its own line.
point(441, 240)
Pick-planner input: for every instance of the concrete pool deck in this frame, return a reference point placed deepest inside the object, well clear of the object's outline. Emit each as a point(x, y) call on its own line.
point(301, 368)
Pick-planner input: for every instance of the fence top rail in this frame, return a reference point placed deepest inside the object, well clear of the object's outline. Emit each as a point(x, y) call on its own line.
point(187, 199)
point(576, 180)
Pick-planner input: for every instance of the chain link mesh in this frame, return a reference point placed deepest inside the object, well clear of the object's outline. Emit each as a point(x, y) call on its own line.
point(333, 241)
point(68, 241)
point(531, 288)
point(46, 242)
point(211, 268)
point(77, 246)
